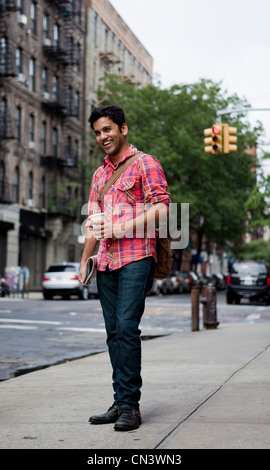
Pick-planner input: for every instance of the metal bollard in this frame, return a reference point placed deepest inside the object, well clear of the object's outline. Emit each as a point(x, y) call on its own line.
point(209, 302)
point(195, 300)
point(204, 303)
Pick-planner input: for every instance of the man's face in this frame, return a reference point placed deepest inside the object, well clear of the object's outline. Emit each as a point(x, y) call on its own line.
point(109, 137)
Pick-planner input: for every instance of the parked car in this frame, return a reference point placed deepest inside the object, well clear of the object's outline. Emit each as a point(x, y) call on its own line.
point(176, 282)
point(191, 279)
point(218, 280)
point(164, 286)
point(63, 279)
point(250, 280)
point(180, 283)
point(204, 280)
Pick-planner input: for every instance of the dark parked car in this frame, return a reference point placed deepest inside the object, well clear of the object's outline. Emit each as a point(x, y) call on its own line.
point(249, 280)
point(63, 279)
point(218, 280)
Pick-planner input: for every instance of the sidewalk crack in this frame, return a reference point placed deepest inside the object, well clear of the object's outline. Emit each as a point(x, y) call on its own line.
point(200, 404)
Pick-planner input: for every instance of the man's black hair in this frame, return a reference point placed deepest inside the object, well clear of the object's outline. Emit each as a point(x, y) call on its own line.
point(114, 112)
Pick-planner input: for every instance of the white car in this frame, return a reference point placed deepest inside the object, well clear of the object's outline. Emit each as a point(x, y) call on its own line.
point(63, 279)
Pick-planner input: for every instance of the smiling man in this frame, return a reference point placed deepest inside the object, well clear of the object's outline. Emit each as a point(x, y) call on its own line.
point(112, 136)
point(126, 255)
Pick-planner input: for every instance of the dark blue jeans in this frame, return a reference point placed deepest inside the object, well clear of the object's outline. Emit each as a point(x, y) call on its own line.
point(122, 295)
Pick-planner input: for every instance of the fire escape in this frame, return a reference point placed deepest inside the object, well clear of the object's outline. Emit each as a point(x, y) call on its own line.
point(108, 58)
point(62, 103)
point(7, 69)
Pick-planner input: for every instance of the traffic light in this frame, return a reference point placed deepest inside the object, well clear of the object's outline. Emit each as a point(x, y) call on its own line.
point(213, 139)
point(230, 139)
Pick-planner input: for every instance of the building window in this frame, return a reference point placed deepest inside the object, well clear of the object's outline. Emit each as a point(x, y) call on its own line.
point(2, 181)
point(55, 88)
point(55, 141)
point(73, 7)
point(106, 32)
point(76, 152)
point(70, 100)
point(30, 186)
point(3, 118)
point(95, 31)
point(32, 74)
point(79, 11)
point(44, 80)
point(71, 50)
point(18, 61)
point(77, 105)
point(43, 192)
point(16, 184)
point(69, 149)
point(20, 6)
point(44, 138)
point(46, 30)
point(18, 123)
point(33, 17)
point(4, 6)
point(3, 55)
point(78, 56)
point(56, 35)
point(32, 131)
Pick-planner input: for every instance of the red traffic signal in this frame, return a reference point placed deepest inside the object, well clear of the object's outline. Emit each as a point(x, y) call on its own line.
point(213, 140)
point(216, 130)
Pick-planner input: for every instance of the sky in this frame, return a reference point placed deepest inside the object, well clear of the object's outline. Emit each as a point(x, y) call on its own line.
point(225, 41)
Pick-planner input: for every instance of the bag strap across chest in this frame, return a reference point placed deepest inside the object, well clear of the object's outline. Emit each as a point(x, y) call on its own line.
point(118, 173)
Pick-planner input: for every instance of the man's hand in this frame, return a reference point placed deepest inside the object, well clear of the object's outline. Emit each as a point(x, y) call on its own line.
point(108, 230)
point(105, 229)
point(82, 266)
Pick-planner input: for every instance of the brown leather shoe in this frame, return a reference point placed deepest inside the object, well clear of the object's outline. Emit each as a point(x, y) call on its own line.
point(129, 418)
point(109, 417)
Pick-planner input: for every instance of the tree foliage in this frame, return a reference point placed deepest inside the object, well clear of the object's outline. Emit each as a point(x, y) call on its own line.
point(258, 203)
point(256, 249)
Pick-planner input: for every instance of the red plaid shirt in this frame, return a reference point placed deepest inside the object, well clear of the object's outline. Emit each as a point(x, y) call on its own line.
point(141, 183)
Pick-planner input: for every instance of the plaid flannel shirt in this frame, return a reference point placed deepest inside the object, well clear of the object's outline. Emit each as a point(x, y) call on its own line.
point(143, 182)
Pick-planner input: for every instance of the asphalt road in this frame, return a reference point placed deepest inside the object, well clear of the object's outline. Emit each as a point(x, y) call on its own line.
point(35, 333)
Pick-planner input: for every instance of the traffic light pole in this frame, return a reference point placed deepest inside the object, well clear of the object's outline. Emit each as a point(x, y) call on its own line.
point(240, 111)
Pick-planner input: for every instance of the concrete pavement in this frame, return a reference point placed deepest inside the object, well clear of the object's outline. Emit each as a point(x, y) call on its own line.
point(202, 390)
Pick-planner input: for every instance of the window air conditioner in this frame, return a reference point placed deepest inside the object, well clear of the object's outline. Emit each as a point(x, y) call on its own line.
point(21, 78)
point(30, 202)
point(46, 95)
point(31, 145)
point(22, 19)
point(46, 42)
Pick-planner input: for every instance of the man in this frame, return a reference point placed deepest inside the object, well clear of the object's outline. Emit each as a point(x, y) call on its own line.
point(126, 255)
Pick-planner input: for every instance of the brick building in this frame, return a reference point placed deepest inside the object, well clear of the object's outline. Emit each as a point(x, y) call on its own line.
point(52, 54)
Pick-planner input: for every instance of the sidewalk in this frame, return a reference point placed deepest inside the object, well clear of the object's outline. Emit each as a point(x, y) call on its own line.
point(202, 390)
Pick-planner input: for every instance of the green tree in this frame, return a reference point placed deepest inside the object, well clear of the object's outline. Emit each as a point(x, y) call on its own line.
point(256, 249)
point(258, 203)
